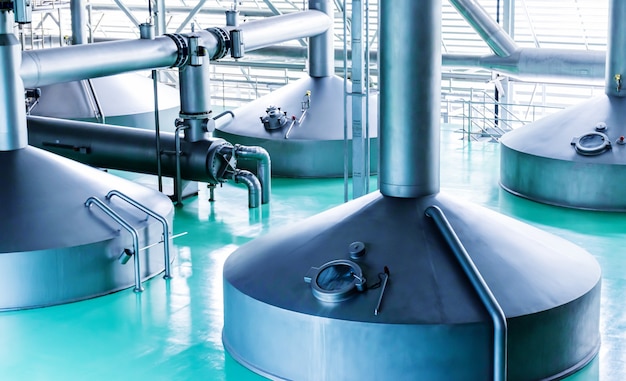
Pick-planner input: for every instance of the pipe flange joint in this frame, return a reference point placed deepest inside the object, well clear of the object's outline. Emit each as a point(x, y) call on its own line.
point(223, 39)
point(183, 48)
point(195, 115)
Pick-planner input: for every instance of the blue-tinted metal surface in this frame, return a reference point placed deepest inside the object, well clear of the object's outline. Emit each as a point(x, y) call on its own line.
point(314, 148)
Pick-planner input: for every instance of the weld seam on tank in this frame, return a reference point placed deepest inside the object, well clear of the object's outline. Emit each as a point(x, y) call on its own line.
point(480, 286)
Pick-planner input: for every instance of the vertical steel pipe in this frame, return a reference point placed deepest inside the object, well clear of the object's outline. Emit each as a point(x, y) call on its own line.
point(360, 157)
point(13, 133)
point(410, 74)
point(195, 95)
point(79, 22)
point(615, 76)
point(493, 34)
point(321, 49)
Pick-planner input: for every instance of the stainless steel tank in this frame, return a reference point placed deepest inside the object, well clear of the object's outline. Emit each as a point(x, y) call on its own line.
point(374, 290)
point(123, 100)
point(301, 146)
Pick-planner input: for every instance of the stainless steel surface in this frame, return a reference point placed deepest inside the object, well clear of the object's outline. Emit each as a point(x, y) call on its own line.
point(123, 148)
point(615, 79)
point(539, 65)
point(314, 148)
point(48, 66)
point(70, 253)
point(550, 148)
point(133, 232)
point(500, 332)
point(125, 99)
point(274, 30)
point(410, 110)
point(79, 22)
point(12, 110)
point(321, 50)
point(254, 187)
point(156, 216)
point(548, 288)
point(263, 167)
point(195, 93)
point(492, 33)
point(543, 150)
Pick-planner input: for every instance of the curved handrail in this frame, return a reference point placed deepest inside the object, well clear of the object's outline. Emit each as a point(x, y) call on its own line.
point(133, 232)
point(481, 287)
point(158, 217)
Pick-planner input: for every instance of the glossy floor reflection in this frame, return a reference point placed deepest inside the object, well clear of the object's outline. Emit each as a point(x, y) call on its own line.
point(172, 331)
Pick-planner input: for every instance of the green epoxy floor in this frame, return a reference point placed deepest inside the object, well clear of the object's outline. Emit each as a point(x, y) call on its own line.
point(172, 331)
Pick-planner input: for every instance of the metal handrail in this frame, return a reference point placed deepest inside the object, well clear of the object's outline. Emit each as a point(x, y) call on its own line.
point(482, 289)
point(133, 232)
point(156, 216)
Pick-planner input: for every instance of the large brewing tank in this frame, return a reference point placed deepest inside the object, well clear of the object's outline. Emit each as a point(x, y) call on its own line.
point(53, 248)
point(301, 126)
point(576, 157)
point(406, 283)
point(123, 100)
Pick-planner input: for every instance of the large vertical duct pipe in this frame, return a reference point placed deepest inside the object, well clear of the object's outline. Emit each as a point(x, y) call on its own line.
point(321, 50)
point(79, 23)
point(410, 110)
point(616, 50)
point(13, 134)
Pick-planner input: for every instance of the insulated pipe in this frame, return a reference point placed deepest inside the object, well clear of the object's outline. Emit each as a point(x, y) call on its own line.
point(410, 75)
point(13, 133)
point(124, 148)
point(253, 185)
point(321, 50)
point(48, 66)
point(539, 65)
point(493, 34)
point(263, 168)
point(482, 289)
point(79, 22)
point(616, 50)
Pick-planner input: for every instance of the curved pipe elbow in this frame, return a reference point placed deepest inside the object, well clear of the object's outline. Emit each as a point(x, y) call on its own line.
point(253, 184)
point(264, 166)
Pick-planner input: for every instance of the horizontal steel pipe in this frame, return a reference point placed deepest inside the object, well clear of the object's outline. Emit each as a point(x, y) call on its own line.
point(72, 63)
point(539, 65)
point(183, 9)
point(123, 148)
point(274, 30)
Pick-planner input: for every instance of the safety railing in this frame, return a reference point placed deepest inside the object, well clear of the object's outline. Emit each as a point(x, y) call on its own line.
point(156, 216)
point(481, 288)
point(133, 232)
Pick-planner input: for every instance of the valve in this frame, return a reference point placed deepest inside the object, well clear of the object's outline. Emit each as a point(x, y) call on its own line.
point(618, 82)
point(274, 118)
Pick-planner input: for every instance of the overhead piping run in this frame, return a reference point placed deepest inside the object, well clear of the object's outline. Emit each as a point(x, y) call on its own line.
point(48, 66)
point(493, 34)
point(528, 64)
point(210, 160)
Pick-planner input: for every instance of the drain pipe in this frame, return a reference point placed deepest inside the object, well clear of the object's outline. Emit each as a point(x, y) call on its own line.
point(493, 34)
point(13, 133)
point(253, 184)
point(48, 66)
point(263, 168)
point(615, 79)
point(409, 109)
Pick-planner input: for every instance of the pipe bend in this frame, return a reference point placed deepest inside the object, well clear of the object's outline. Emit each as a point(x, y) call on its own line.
point(253, 184)
point(264, 166)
